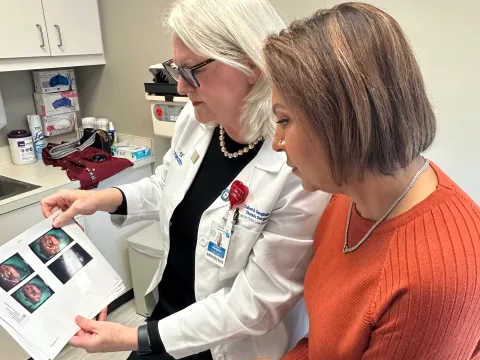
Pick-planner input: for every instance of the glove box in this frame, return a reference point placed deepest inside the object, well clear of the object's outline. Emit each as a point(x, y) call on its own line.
point(56, 103)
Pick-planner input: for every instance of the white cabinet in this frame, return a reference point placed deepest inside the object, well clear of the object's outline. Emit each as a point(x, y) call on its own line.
point(109, 240)
point(16, 222)
point(38, 34)
point(73, 27)
point(23, 32)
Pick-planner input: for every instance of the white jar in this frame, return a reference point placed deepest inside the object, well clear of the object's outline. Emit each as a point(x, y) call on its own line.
point(89, 123)
point(102, 124)
point(21, 147)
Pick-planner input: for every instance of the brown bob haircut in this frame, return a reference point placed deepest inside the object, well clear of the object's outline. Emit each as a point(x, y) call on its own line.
point(350, 72)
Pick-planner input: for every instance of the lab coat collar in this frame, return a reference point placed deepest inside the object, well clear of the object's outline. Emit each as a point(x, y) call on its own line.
point(266, 160)
point(199, 138)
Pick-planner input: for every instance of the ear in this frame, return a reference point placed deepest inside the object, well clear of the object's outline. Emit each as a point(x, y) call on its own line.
point(255, 73)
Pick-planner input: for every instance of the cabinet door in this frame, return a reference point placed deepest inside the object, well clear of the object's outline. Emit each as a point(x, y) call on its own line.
point(22, 29)
point(13, 224)
point(73, 27)
point(109, 240)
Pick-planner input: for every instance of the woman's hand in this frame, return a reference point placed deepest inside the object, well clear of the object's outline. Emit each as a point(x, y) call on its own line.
point(80, 202)
point(104, 336)
point(103, 315)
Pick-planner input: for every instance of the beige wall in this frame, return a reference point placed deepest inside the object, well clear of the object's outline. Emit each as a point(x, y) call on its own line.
point(17, 93)
point(445, 39)
point(134, 38)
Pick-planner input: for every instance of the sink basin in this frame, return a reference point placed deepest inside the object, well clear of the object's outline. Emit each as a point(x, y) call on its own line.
point(10, 187)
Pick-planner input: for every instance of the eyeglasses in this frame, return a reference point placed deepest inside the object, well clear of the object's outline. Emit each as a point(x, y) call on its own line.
point(187, 72)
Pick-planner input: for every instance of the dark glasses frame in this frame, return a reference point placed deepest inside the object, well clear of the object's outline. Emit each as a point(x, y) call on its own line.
point(187, 72)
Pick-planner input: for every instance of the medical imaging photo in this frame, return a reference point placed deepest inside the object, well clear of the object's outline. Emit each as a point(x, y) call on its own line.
point(13, 271)
point(33, 294)
point(50, 244)
point(71, 262)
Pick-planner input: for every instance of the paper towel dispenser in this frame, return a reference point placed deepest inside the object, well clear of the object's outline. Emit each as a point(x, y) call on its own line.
point(165, 103)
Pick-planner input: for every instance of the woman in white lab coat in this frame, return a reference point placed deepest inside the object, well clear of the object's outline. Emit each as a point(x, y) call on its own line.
point(228, 300)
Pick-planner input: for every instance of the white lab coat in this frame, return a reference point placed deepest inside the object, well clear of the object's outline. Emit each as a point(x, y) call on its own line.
point(241, 309)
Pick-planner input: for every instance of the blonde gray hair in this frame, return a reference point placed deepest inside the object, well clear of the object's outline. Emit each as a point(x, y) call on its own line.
point(233, 32)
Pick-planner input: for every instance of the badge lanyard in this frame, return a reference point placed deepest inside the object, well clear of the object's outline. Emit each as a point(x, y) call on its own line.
point(220, 234)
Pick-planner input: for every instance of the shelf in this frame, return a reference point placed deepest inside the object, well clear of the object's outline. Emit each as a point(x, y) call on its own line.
point(18, 64)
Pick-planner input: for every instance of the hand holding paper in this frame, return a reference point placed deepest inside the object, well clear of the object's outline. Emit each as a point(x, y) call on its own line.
point(80, 202)
point(47, 277)
point(102, 316)
point(104, 336)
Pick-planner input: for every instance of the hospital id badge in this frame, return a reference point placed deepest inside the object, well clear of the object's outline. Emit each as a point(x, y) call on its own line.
point(218, 241)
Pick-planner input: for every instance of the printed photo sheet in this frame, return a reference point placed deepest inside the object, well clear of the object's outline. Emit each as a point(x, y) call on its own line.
point(47, 277)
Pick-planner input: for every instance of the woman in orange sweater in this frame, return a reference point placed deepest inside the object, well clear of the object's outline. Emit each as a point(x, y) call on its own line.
point(396, 272)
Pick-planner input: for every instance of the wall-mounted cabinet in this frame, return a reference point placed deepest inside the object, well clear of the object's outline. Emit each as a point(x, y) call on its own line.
point(36, 34)
point(23, 32)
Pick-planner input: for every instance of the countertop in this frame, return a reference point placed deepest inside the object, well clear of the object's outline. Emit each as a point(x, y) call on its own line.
point(49, 178)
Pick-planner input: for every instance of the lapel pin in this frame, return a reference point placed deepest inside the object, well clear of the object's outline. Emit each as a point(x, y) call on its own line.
point(225, 194)
point(194, 156)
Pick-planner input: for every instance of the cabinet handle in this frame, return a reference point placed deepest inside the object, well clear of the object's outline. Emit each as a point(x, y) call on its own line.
point(39, 27)
point(60, 43)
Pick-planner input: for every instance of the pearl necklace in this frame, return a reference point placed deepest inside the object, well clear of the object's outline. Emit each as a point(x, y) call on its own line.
point(238, 153)
point(347, 249)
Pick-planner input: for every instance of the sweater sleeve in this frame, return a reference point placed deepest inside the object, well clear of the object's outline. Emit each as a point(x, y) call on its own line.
point(428, 300)
point(299, 352)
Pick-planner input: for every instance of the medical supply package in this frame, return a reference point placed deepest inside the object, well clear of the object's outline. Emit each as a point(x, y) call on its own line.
point(50, 81)
point(48, 276)
point(59, 124)
point(56, 103)
point(131, 152)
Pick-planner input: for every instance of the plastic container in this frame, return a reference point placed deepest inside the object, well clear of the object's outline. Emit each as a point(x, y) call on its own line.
point(112, 134)
point(144, 253)
point(35, 125)
point(102, 124)
point(21, 147)
point(89, 123)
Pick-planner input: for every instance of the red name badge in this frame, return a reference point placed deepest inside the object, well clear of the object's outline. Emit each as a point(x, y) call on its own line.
point(238, 193)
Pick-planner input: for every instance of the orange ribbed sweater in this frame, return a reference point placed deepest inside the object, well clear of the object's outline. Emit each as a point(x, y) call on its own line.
point(411, 291)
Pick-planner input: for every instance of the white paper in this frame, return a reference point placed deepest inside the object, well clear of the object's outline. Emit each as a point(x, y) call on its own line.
point(3, 115)
point(47, 277)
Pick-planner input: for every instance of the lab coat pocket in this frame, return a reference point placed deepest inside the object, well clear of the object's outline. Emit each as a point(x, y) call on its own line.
point(240, 248)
